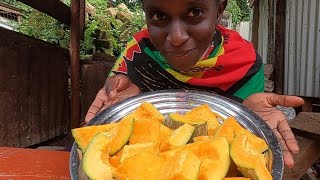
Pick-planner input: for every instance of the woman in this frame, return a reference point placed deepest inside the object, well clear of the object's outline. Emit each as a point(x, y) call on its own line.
point(184, 47)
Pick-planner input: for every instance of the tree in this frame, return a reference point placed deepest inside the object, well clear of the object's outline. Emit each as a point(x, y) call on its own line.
point(245, 9)
point(240, 11)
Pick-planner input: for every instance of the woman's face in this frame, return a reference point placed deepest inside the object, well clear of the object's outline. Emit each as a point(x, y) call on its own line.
point(181, 30)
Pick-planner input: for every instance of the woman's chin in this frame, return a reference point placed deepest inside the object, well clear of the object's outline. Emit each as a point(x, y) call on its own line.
point(182, 69)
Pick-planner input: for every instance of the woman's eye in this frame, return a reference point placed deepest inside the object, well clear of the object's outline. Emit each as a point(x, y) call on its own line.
point(158, 17)
point(195, 13)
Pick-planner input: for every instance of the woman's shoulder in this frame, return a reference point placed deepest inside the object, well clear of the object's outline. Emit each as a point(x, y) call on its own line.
point(230, 34)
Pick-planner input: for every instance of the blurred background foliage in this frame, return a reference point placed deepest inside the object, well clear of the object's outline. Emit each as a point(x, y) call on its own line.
point(105, 31)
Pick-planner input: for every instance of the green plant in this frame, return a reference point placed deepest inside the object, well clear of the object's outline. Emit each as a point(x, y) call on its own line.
point(240, 11)
point(44, 27)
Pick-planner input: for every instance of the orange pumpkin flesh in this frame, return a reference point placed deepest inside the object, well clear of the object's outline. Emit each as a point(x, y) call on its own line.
point(84, 135)
point(202, 138)
point(230, 128)
point(120, 134)
point(199, 115)
point(134, 149)
point(115, 159)
point(208, 157)
point(145, 130)
point(251, 163)
point(179, 137)
point(145, 165)
point(95, 161)
point(147, 111)
point(186, 166)
point(214, 155)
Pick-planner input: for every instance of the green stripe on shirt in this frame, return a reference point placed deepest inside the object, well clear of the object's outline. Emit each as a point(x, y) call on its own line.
point(254, 85)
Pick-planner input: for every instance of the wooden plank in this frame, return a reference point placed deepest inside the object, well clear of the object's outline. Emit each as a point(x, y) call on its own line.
point(8, 97)
point(307, 106)
point(307, 125)
point(54, 8)
point(23, 100)
point(75, 63)
point(255, 24)
point(82, 18)
point(279, 45)
point(33, 90)
point(309, 154)
point(23, 163)
point(271, 29)
point(8, 8)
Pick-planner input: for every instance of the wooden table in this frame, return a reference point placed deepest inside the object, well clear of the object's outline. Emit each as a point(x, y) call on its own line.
point(306, 127)
point(27, 164)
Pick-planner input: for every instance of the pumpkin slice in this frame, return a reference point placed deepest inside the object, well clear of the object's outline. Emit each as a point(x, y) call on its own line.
point(83, 135)
point(199, 115)
point(120, 134)
point(233, 170)
point(249, 162)
point(172, 124)
point(145, 130)
point(134, 149)
point(179, 137)
point(229, 128)
point(256, 143)
point(201, 129)
point(183, 165)
point(202, 138)
point(165, 133)
point(236, 178)
point(147, 111)
point(214, 155)
point(115, 159)
point(96, 158)
point(145, 165)
point(213, 126)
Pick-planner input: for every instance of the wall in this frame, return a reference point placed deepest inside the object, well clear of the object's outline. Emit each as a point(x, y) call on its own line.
point(263, 30)
point(34, 102)
point(302, 48)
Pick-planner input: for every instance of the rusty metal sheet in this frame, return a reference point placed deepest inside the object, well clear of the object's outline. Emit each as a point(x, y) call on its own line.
point(34, 105)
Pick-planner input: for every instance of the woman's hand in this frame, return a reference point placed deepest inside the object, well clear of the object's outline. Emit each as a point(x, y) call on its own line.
point(264, 104)
point(115, 89)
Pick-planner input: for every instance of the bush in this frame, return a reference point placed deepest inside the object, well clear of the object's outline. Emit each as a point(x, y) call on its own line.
point(101, 29)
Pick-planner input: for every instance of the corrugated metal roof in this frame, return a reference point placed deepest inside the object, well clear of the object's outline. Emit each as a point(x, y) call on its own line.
point(302, 48)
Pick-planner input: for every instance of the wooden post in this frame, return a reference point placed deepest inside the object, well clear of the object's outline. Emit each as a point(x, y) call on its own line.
point(82, 18)
point(255, 24)
point(280, 29)
point(271, 30)
point(75, 64)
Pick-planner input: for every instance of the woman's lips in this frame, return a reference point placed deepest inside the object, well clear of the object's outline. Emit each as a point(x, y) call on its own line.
point(179, 54)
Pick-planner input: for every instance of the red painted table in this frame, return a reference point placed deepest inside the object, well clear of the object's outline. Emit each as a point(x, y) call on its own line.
point(27, 164)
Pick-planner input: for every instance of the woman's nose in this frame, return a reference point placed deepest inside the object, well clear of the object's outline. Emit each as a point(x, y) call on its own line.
point(177, 34)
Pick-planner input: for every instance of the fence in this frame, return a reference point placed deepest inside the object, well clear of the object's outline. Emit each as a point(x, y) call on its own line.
point(34, 102)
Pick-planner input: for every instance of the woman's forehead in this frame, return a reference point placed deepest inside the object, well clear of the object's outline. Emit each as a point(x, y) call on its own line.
point(178, 1)
point(172, 3)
